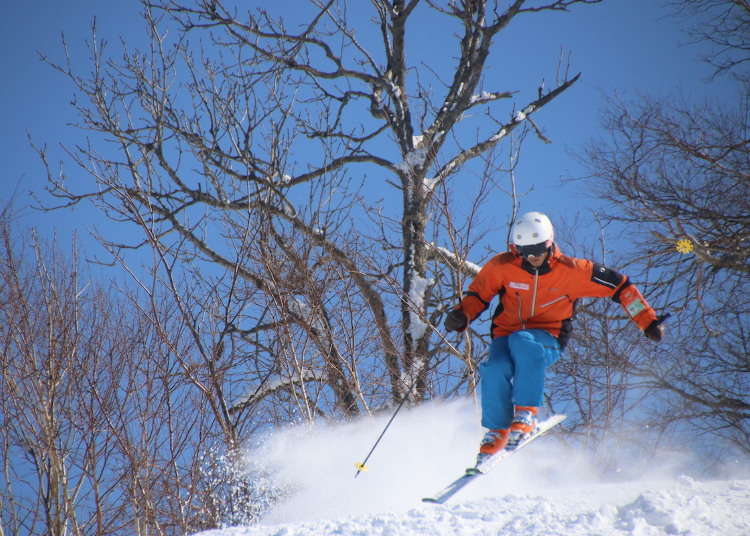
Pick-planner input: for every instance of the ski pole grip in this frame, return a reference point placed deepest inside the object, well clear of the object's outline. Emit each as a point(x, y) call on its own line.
point(662, 318)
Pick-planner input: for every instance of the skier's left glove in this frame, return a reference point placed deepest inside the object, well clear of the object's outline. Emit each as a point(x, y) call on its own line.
point(655, 330)
point(456, 321)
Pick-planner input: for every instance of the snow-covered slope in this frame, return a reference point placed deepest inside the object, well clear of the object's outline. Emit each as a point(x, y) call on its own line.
point(549, 489)
point(683, 507)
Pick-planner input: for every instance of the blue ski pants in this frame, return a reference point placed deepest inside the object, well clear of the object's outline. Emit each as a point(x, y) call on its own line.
point(513, 374)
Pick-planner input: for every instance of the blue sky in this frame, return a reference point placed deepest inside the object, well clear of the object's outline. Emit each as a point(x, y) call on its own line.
point(626, 46)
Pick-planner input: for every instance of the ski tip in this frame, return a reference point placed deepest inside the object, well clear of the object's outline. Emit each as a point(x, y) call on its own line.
point(430, 500)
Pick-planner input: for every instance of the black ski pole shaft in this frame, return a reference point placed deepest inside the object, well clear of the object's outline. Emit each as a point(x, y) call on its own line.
point(662, 318)
point(361, 466)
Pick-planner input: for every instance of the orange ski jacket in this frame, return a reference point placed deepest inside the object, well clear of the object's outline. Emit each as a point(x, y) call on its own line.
point(545, 298)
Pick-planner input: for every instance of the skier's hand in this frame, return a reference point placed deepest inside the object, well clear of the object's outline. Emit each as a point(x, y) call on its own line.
point(655, 330)
point(456, 321)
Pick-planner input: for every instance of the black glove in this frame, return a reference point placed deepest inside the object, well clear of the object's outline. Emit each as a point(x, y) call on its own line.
point(456, 321)
point(655, 331)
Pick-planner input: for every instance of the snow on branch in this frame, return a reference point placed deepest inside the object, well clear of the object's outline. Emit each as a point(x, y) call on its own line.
point(267, 388)
point(523, 115)
point(451, 259)
point(487, 96)
point(417, 292)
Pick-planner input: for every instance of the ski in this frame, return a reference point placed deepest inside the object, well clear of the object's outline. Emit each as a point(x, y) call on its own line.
point(485, 467)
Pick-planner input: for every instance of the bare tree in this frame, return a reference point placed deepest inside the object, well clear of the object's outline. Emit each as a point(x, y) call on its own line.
point(57, 337)
point(725, 25)
point(101, 432)
point(249, 147)
point(677, 176)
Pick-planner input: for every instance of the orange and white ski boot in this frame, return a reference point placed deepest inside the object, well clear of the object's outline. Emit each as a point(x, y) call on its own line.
point(523, 425)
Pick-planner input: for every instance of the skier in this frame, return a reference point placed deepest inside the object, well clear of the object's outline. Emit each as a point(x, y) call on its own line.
point(538, 287)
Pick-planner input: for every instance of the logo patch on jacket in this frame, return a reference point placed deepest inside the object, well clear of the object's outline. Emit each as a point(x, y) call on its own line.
point(519, 286)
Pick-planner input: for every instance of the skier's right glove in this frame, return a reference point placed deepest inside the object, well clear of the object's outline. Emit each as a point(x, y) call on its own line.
point(456, 321)
point(655, 331)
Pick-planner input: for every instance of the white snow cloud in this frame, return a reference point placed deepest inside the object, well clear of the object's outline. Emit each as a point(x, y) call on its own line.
point(550, 488)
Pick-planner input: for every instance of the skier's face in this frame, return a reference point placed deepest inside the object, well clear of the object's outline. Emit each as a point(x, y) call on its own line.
point(535, 254)
point(537, 260)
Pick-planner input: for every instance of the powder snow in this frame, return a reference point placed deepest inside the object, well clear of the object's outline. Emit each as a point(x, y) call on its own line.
point(549, 489)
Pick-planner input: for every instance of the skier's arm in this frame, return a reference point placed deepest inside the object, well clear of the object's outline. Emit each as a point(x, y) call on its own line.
point(607, 282)
point(477, 298)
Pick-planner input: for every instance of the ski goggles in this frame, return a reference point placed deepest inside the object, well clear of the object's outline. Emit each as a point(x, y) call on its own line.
point(533, 250)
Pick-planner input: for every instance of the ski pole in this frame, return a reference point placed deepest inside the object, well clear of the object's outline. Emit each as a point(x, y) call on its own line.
point(408, 302)
point(361, 466)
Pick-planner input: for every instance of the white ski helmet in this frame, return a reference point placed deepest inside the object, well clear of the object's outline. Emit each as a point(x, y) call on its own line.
point(532, 228)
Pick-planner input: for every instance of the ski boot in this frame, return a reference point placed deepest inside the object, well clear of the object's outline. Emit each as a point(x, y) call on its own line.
point(493, 442)
point(523, 425)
